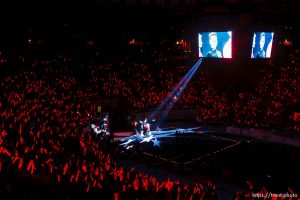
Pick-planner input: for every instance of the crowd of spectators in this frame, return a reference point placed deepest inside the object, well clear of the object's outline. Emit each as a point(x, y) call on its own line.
point(43, 145)
point(146, 84)
point(43, 110)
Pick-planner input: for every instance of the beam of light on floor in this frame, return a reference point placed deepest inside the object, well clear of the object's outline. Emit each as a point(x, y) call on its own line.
point(156, 136)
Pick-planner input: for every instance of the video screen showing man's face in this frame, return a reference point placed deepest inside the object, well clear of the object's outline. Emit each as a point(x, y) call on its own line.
point(215, 44)
point(262, 44)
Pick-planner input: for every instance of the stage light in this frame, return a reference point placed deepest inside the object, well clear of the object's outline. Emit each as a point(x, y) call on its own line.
point(287, 42)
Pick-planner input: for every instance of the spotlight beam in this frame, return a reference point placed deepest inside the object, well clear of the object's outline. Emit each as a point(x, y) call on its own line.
point(171, 99)
point(175, 97)
point(165, 101)
point(177, 90)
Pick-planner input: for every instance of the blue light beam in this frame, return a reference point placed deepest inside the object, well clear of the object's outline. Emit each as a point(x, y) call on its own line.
point(177, 90)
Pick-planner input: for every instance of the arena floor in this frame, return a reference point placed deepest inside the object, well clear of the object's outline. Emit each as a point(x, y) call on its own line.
point(200, 154)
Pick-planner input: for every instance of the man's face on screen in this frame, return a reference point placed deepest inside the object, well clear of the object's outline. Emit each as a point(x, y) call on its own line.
point(213, 41)
point(262, 41)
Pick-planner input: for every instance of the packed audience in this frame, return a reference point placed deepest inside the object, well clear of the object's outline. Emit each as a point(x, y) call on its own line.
point(146, 84)
point(44, 109)
point(43, 143)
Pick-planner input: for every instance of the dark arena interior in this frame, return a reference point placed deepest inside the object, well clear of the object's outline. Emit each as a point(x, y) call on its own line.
point(150, 99)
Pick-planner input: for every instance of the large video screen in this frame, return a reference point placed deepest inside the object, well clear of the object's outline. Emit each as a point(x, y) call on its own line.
point(215, 44)
point(262, 44)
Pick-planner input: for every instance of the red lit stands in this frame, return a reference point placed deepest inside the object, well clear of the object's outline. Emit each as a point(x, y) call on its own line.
point(41, 111)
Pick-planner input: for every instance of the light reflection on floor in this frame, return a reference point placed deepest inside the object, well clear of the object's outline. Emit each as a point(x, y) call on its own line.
point(156, 136)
